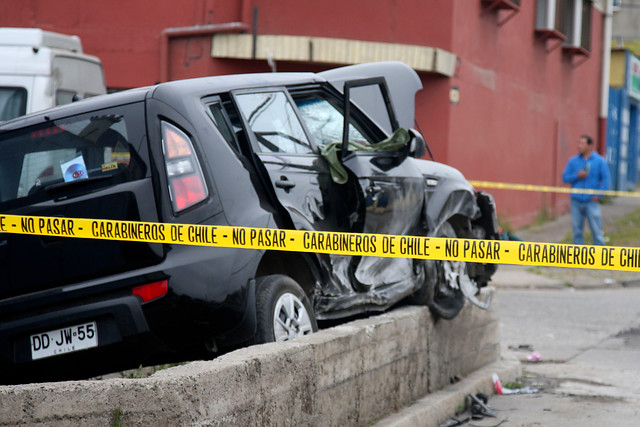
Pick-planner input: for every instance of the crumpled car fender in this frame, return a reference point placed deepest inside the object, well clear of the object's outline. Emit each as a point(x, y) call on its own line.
point(447, 194)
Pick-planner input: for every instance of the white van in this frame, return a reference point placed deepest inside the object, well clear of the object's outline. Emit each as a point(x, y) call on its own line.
point(41, 69)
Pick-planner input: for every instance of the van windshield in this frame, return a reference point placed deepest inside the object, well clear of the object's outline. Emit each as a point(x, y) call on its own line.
point(87, 151)
point(13, 102)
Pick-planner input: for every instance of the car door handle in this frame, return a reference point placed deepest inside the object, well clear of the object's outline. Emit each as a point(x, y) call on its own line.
point(284, 182)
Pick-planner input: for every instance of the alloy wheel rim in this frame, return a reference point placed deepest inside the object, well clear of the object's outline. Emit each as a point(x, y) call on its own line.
point(290, 318)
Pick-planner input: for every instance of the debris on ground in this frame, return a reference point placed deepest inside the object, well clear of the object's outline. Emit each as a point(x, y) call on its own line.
point(476, 410)
point(479, 408)
point(534, 357)
point(500, 389)
point(521, 347)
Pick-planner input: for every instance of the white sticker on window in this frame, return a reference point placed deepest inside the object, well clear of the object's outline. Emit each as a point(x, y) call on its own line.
point(74, 170)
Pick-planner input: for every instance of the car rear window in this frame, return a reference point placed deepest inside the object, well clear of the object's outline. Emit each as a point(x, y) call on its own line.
point(76, 153)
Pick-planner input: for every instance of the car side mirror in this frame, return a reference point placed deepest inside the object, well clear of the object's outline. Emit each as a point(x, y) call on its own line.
point(417, 145)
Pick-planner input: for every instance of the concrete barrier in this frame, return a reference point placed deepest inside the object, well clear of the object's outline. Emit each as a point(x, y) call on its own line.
point(351, 374)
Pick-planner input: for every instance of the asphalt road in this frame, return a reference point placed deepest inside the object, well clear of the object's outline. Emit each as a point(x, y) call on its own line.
point(589, 368)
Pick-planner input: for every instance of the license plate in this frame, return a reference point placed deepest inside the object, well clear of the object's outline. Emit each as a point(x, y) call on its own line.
point(65, 340)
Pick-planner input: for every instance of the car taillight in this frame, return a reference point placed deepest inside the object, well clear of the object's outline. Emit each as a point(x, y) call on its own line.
point(186, 181)
point(151, 291)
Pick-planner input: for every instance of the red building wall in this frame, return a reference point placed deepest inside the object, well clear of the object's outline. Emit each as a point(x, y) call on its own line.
point(523, 102)
point(126, 35)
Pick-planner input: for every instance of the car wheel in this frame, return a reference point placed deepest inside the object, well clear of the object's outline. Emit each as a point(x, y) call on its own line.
point(441, 289)
point(283, 310)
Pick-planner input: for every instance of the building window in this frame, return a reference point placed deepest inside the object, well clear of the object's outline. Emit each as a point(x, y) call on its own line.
point(585, 27)
point(549, 18)
point(567, 20)
point(617, 5)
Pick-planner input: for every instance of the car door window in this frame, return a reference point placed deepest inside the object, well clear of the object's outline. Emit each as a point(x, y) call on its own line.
point(274, 122)
point(325, 122)
point(223, 124)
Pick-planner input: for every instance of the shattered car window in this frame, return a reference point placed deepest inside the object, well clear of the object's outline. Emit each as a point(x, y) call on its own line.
point(325, 122)
point(274, 122)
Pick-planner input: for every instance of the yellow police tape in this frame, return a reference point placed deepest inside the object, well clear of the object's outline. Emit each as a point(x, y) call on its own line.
point(471, 250)
point(551, 189)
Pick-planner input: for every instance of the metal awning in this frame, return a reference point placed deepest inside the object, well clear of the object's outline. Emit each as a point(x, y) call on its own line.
point(331, 51)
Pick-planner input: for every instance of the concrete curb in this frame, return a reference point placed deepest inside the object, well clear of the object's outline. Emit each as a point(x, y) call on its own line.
point(434, 409)
point(348, 375)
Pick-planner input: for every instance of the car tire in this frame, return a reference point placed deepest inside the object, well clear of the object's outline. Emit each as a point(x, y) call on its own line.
point(283, 310)
point(444, 298)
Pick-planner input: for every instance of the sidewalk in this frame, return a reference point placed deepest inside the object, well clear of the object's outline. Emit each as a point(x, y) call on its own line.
point(525, 277)
point(434, 407)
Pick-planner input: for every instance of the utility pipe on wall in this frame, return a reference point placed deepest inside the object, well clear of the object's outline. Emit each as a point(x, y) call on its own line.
point(604, 75)
point(196, 30)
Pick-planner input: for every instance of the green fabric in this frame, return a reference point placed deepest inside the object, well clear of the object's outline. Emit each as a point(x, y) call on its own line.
point(330, 152)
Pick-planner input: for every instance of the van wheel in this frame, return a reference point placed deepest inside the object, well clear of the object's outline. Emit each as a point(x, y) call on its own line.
point(441, 288)
point(283, 311)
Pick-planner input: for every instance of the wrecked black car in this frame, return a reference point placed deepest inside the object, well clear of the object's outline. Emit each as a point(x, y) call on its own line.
point(260, 150)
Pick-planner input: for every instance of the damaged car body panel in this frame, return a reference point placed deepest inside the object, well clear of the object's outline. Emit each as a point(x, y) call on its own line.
point(332, 151)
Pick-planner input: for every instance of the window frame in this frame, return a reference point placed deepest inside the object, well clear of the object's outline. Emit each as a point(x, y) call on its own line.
point(209, 102)
point(569, 21)
point(352, 84)
point(547, 20)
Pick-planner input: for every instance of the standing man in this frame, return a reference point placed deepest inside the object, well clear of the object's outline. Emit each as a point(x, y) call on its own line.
point(586, 170)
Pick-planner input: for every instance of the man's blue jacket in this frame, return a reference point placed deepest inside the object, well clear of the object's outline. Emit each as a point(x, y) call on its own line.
point(597, 179)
